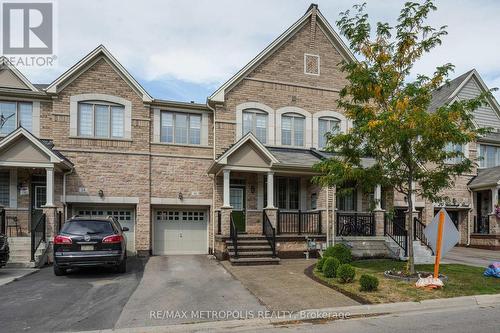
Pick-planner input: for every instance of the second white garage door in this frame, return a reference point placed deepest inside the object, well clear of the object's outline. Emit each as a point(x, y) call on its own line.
point(180, 232)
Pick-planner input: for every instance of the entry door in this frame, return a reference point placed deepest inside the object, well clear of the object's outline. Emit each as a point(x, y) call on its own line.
point(237, 201)
point(38, 199)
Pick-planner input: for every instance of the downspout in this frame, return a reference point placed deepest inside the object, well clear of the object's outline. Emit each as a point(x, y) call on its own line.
point(469, 213)
point(64, 192)
point(327, 216)
point(213, 179)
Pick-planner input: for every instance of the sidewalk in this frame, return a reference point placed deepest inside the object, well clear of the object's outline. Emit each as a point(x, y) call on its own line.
point(7, 275)
point(308, 316)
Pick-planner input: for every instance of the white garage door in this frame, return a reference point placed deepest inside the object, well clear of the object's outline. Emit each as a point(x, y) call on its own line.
point(180, 232)
point(126, 217)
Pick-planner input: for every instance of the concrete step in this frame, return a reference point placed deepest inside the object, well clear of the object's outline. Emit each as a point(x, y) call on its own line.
point(255, 261)
point(249, 242)
point(256, 254)
point(251, 237)
point(250, 247)
point(28, 264)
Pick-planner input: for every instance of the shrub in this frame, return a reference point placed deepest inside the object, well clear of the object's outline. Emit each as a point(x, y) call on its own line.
point(320, 263)
point(339, 251)
point(346, 273)
point(330, 267)
point(368, 282)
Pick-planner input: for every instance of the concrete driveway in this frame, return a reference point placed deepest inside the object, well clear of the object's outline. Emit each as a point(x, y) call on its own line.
point(471, 256)
point(182, 289)
point(88, 299)
point(285, 287)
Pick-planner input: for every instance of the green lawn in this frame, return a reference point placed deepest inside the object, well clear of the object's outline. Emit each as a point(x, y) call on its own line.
point(462, 281)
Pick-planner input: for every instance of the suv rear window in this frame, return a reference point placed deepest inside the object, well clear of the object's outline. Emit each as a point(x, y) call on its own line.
point(88, 227)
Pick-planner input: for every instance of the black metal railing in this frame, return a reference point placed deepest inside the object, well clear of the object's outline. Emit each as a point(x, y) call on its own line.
point(418, 232)
point(355, 224)
point(233, 233)
point(269, 231)
point(60, 221)
point(481, 225)
point(299, 222)
point(3, 225)
point(399, 235)
point(219, 222)
point(37, 235)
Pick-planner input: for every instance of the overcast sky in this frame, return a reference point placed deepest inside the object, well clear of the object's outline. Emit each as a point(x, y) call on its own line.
point(183, 50)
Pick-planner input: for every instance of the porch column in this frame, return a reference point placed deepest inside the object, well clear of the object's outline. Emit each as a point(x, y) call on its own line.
point(494, 199)
point(377, 195)
point(414, 197)
point(270, 189)
point(227, 180)
point(50, 187)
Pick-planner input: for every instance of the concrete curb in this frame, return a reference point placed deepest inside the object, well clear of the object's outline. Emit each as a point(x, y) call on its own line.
point(306, 316)
point(28, 271)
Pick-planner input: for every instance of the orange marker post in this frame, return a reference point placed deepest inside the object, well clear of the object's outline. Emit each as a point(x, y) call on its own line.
point(438, 244)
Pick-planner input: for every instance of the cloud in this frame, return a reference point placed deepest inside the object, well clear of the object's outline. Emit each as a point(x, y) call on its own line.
point(199, 44)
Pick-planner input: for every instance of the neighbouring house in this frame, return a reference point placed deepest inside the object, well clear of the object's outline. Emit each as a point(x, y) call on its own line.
point(231, 177)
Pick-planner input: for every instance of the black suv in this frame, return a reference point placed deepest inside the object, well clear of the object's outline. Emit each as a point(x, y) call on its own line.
point(4, 250)
point(90, 242)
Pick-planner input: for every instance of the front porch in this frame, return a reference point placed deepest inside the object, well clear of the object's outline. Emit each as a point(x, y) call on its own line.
point(31, 182)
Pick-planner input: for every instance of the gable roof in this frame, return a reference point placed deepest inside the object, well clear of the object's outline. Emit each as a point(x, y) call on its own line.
point(89, 60)
point(4, 62)
point(45, 146)
point(219, 94)
point(448, 91)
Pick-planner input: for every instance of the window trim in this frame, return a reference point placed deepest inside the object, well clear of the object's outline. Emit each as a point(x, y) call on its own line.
point(188, 128)
point(254, 113)
point(93, 121)
point(271, 120)
point(17, 117)
point(345, 124)
point(127, 115)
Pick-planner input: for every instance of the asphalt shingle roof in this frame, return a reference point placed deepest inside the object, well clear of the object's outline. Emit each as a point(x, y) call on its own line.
point(485, 177)
point(442, 95)
point(295, 156)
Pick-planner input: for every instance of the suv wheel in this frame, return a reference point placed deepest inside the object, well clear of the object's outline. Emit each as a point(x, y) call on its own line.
point(122, 267)
point(58, 271)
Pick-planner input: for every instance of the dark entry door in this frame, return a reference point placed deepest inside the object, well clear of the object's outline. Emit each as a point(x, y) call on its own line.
point(399, 221)
point(38, 199)
point(237, 201)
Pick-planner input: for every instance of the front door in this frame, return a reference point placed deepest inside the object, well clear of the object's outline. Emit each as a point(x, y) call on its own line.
point(38, 199)
point(237, 201)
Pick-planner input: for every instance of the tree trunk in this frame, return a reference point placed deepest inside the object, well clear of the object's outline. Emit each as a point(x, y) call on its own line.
point(411, 259)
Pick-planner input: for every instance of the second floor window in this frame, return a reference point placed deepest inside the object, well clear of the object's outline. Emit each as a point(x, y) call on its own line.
point(292, 130)
point(327, 125)
point(16, 114)
point(489, 156)
point(100, 120)
point(454, 148)
point(255, 121)
point(180, 128)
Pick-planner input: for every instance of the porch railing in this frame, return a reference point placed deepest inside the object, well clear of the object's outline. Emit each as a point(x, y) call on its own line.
point(37, 235)
point(219, 222)
point(355, 224)
point(233, 233)
point(269, 231)
point(418, 232)
point(3, 225)
point(481, 225)
point(299, 222)
point(395, 230)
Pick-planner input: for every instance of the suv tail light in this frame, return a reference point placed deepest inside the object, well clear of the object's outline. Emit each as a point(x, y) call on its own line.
point(112, 239)
point(62, 240)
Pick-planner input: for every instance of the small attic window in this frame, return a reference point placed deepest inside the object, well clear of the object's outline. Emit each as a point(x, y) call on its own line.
point(311, 64)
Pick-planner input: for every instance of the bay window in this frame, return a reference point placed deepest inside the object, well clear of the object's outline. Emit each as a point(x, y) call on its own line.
point(489, 156)
point(292, 130)
point(327, 125)
point(100, 120)
point(15, 114)
point(255, 121)
point(180, 128)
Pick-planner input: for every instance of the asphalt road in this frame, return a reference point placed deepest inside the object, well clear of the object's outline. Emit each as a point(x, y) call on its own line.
point(88, 299)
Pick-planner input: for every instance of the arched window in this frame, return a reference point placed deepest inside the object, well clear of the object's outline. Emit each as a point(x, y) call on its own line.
point(255, 121)
point(292, 129)
point(327, 125)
